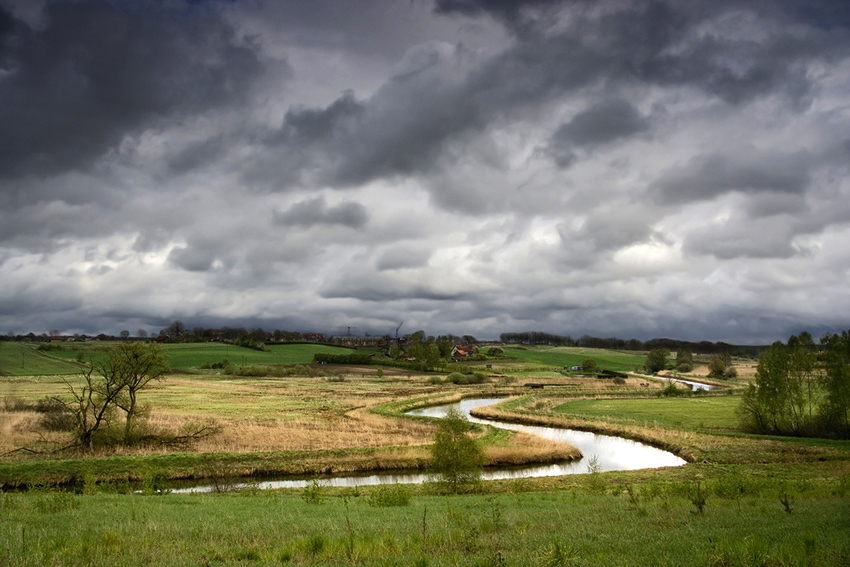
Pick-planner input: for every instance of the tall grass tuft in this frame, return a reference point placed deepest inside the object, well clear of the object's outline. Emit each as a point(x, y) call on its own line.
point(313, 493)
point(390, 495)
point(561, 555)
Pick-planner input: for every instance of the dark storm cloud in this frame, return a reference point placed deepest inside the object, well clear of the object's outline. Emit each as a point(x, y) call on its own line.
point(512, 13)
point(399, 258)
point(601, 124)
point(316, 212)
point(193, 258)
point(740, 238)
point(440, 96)
point(398, 131)
point(42, 227)
point(706, 177)
point(372, 287)
point(197, 154)
point(508, 9)
point(400, 167)
point(95, 73)
point(7, 26)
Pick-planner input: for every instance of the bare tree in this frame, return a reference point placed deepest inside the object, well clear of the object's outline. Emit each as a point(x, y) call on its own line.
point(114, 385)
point(137, 364)
point(93, 403)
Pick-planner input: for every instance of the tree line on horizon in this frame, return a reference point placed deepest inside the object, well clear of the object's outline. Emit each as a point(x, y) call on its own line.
point(533, 338)
point(179, 332)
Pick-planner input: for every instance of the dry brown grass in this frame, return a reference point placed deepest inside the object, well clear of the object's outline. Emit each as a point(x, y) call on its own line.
point(254, 415)
point(527, 448)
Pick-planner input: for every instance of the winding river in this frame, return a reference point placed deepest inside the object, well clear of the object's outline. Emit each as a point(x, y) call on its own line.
point(604, 452)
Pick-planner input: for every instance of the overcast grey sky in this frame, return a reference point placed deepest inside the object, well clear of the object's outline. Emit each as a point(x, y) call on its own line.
point(615, 168)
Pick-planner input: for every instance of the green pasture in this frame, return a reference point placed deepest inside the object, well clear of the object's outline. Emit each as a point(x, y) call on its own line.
point(60, 358)
point(574, 356)
point(22, 359)
point(647, 524)
point(713, 413)
point(184, 356)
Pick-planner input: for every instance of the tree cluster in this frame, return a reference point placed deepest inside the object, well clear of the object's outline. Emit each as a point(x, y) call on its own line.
point(456, 457)
point(112, 387)
point(656, 360)
point(800, 389)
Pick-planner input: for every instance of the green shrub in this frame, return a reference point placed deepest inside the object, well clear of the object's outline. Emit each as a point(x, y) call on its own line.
point(352, 358)
point(54, 501)
point(456, 458)
point(313, 493)
point(155, 481)
point(672, 391)
point(390, 495)
point(459, 378)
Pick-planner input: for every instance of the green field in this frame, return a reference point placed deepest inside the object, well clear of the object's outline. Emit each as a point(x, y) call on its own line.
point(743, 500)
point(714, 413)
point(574, 356)
point(192, 355)
point(61, 358)
point(22, 359)
point(646, 524)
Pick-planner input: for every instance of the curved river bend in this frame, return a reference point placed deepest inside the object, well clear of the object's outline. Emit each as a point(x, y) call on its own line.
point(610, 453)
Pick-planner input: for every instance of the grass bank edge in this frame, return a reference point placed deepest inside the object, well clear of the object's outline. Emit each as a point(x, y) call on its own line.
point(298, 464)
point(692, 446)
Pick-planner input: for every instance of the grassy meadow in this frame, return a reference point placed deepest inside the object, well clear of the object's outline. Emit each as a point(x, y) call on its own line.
point(743, 499)
point(716, 413)
point(575, 356)
point(22, 359)
point(60, 358)
point(728, 521)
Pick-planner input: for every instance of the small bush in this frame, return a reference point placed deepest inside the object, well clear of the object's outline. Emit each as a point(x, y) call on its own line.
point(155, 481)
point(56, 501)
point(313, 492)
point(672, 391)
point(390, 495)
point(54, 415)
point(459, 378)
point(253, 370)
point(685, 367)
point(14, 403)
point(434, 380)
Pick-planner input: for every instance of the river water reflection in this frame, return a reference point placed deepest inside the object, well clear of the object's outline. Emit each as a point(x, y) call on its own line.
point(609, 453)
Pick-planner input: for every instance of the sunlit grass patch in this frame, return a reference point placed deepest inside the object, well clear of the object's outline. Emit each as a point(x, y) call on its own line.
point(676, 413)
